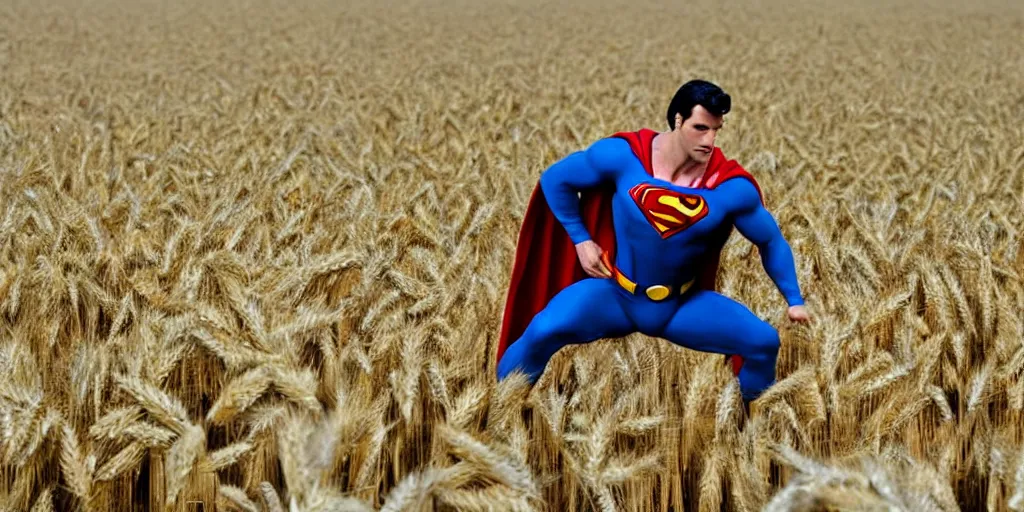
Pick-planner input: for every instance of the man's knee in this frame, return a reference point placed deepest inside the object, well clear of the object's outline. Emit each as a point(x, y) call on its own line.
point(762, 342)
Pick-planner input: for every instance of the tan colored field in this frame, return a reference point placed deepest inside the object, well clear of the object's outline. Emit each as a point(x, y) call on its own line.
point(254, 256)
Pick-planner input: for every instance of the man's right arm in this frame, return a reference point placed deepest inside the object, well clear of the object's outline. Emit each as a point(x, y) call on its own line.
point(598, 164)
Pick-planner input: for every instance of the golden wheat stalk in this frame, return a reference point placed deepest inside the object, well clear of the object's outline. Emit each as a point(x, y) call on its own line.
point(312, 258)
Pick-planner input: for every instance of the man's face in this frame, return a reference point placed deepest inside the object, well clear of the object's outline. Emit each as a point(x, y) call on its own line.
point(698, 133)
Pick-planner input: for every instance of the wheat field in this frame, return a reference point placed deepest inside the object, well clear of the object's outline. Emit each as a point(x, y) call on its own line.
point(254, 256)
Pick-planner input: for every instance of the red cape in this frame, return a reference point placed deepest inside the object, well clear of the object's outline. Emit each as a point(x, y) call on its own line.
point(546, 260)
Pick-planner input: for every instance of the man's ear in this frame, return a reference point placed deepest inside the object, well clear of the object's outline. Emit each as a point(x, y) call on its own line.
point(679, 121)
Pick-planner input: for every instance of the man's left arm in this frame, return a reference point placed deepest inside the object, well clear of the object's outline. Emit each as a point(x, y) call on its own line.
point(758, 225)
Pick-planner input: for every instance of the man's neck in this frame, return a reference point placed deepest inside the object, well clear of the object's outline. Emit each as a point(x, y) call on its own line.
point(671, 164)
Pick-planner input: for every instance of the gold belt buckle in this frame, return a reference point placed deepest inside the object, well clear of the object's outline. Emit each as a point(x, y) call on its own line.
point(658, 292)
point(655, 292)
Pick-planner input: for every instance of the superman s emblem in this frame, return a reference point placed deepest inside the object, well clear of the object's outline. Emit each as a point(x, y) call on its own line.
point(669, 212)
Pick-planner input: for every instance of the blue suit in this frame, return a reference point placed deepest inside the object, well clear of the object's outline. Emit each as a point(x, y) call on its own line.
point(662, 232)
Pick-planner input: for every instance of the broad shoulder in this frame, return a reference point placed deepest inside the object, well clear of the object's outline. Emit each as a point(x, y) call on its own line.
point(742, 189)
point(610, 153)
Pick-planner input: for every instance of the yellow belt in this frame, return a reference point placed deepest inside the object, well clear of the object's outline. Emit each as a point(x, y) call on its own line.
point(654, 292)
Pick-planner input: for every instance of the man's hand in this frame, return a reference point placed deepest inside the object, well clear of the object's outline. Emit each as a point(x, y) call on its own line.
point(799, 314)
point(590, 257)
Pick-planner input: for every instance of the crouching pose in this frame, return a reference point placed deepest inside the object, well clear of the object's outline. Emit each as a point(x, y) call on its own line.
point(626, 237)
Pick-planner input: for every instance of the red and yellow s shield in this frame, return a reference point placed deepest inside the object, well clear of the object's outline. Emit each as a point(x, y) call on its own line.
point(669, 212)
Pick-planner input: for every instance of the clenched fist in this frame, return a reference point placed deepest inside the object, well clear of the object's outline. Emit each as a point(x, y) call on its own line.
point(799, 314)
point(590, 257)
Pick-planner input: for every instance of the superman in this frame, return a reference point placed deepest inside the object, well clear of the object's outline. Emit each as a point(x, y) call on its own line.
point(626, 236)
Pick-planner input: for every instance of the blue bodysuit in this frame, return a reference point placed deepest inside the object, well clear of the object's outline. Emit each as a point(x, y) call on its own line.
point(660, 245)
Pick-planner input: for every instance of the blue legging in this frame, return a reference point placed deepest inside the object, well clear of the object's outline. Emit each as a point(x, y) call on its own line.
point(701, 320)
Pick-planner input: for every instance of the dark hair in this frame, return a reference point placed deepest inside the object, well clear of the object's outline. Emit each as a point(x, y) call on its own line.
point(697, 92)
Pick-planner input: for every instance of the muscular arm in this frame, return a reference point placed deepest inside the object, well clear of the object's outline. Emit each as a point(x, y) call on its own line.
point(754, 222)
point(561, 182)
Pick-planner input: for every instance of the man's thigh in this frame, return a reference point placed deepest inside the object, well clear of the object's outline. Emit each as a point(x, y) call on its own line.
point(584, 311)
point(711, 322)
